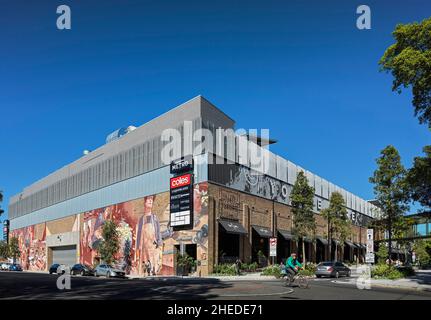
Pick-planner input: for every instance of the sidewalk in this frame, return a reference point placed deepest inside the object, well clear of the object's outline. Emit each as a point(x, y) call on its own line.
point(421, 281)
point(254, 276)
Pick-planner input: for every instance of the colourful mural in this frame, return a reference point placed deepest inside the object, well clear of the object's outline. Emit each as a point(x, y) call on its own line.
point(32, 246)
point(147, 242)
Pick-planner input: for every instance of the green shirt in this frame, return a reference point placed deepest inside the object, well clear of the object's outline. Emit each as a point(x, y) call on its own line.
point(292, 263)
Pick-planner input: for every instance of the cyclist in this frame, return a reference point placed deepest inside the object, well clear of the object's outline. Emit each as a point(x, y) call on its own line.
point(292, 266)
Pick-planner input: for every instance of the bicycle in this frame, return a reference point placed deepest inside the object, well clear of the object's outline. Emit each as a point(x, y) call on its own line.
point(302, 281)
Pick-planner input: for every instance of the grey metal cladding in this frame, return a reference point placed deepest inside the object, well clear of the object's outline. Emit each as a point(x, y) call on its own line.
point(84, 175)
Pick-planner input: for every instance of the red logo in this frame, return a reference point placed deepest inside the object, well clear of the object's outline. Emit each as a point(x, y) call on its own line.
point(181, 181)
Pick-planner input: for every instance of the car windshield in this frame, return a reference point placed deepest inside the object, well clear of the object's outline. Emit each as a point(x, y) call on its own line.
point(326, 264)
point(108, 266)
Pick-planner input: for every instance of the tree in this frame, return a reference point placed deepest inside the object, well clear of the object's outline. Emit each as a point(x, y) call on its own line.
point(422, 249)
point(302, 196)
point(1, 200)
point(409, 61)
point(389, 188)
point(14, 251)
point(382, 253)
point(336, 216)
point(419, 179)
point(4, 250)
point(110, 244)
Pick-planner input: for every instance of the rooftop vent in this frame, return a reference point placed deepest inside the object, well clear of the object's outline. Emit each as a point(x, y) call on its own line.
point(117, 134)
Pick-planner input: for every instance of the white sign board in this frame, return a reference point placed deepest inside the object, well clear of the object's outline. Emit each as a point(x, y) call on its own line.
point(272, 247)
point(369, 258)
point(370, 241)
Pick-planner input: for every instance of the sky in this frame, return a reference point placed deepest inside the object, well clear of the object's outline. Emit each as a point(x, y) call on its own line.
point(299, 68)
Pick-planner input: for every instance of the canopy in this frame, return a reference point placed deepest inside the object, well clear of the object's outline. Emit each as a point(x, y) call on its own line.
point(233, 227)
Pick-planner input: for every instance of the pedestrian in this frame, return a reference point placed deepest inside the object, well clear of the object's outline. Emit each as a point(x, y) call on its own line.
point(238, 266)
point(283, 267)
point(148, 265)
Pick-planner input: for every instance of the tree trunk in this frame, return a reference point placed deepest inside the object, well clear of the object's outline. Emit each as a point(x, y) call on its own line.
point(336, 252)
point(303, 251)
point(329, 242)
point(390, 239)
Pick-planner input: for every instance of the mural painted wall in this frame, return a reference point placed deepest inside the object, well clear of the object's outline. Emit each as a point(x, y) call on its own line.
point(146, 238)
point(32, 246)
point(147, 241)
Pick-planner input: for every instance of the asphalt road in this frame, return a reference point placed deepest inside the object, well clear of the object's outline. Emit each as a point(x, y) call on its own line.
point(25, 285)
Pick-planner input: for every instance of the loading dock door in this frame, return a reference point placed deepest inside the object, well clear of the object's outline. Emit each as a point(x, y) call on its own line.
point(64, 255)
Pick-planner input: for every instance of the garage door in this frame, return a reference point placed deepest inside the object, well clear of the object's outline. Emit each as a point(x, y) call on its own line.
point(64, 255)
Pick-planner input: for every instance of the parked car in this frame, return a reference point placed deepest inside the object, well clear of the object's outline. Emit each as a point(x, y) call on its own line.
point(332, 269)
point(53, 268)
point(82, 269)
point(59, 268)
point(108, 271)
point(5, 266)
point(15, 267)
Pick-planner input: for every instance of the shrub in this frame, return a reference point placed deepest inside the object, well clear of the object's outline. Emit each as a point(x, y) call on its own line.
point(249, 267)
point(272, 271)
point(224, 269)
point(384, 271)
point(309, 269)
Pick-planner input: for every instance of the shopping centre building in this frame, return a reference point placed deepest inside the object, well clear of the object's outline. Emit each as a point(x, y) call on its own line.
point(216, 206)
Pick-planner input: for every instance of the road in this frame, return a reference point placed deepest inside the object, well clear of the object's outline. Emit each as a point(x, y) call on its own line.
point(25, 285)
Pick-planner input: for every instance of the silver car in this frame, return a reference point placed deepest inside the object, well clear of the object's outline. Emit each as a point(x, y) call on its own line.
point(332, 269)
point(108, 271)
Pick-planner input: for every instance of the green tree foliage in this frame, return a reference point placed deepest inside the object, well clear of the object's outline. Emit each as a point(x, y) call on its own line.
point(382, 253)
point(4, 250)
point(422, 248)
point(302, 196)
point(419, 179)
point(14, 248)
point(336, 215)
point(409, 62)
point(1, 200)
point(389, 189)
point(110, 244)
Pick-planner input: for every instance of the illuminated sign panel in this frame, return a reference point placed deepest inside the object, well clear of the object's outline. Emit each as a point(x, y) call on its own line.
point(181, 202)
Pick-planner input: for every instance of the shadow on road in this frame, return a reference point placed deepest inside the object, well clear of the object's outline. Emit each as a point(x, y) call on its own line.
point(43, 287)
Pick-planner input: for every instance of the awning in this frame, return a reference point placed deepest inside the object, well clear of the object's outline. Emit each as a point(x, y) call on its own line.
point(350, 244)
point(307, 239)
point(336, 242)
point(286, 234)
point(357, 245)
point(232, 227)
point(263, 232)
point(322, 240)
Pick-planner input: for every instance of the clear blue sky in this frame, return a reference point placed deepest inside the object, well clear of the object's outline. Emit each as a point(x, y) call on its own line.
point(299, 68)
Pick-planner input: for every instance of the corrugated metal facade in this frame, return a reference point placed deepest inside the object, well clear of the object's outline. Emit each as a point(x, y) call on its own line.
point(153, 182)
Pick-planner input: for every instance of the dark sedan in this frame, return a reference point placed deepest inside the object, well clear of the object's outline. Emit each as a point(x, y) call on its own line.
point(82, 269)
point(332, 269)
point(53, 268)
point(15, 267)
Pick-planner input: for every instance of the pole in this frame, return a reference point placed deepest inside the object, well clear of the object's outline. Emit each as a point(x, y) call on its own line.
point(274, 226)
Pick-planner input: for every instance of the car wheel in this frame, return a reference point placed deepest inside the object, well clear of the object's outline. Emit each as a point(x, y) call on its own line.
point(349, 273)
point(337, 274)
point(82, 273)
point(318, 276)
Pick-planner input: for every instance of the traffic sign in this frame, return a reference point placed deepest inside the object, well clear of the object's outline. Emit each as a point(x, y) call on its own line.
point(370, 241)
point(272, 247)
point(369, 258)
